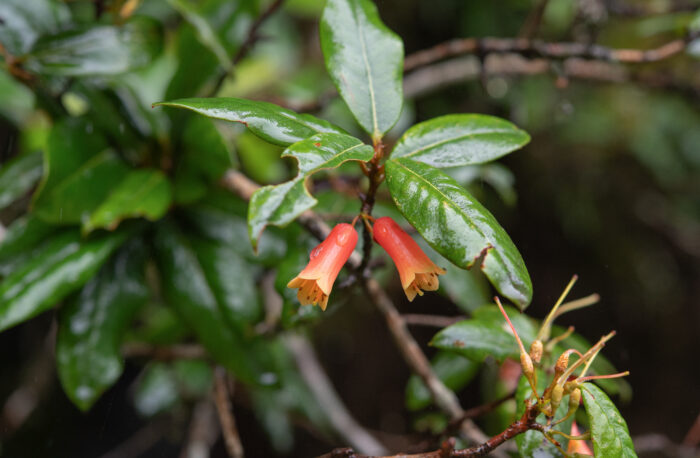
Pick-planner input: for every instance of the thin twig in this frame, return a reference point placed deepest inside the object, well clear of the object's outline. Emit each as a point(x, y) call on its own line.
point(222, 399)
point(164, 353)
point(203, 431)
point(250, 40)
point(436, 321)
point(539, 48)
point(532, 23)
point(322, 388)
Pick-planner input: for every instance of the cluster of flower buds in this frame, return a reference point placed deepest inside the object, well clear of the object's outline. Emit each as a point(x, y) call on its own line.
point(564, 381)
point(416, 270)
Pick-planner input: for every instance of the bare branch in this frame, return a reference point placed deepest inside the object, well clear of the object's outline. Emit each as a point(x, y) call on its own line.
point(203, 431)
point(180, 351)
point(539, 48)
point(222, 398)
point(322, 388)
point(435, 321)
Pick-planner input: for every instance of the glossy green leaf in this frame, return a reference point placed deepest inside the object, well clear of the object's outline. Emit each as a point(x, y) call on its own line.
point(453, 370)
point(525, 326)
point(460, 139)
point(232, 281)
point(457, 226)
point(281, 204)
point(144, 193)
point(60, 267)
point(477, 340)
point(365, 61)
point(467, 289)
point(22, 237)
point(97, 50)
point(24, 21)
point(92, 324)
point(532, 444)
point(18, 176)
point(266, 120)
point(609, 433)
point(73, 200)
point(187, 289)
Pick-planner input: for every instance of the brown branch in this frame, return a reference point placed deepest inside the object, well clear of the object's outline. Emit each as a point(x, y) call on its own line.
point(203, 431)
point(222, 398)
point(539, 48)
point(162, 353)
point(524, 424)
point(436, 321)
point(532, 23)
point(322, 388)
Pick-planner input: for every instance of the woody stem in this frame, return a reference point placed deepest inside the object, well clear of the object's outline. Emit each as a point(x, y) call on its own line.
point(375, 174)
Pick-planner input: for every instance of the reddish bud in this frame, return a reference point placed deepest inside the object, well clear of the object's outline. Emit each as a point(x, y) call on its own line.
point(416, 270)
point(325, 261)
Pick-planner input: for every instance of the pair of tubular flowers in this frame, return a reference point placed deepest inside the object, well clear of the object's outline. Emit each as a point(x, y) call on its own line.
point(416, 270)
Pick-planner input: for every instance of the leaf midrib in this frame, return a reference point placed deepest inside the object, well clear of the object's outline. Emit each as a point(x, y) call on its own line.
point(455, 139)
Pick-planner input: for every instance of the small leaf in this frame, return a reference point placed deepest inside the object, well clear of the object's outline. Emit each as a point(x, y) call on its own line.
point(156, 390)
point(281, 204)
point(457, 226)
point(266, 120)
point(18, 176)
point(97, 50)
point(453, 370)
point(187, 290)
point(460, 139)
point(365, 61)
point(143, 193)
point(92, 323)
point(62, 265)
point(609, 433)
point(477, 340)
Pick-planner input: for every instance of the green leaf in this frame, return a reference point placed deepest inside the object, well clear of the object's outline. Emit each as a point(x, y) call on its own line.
point(79, 172)
point(460, 139)
point(532, 444)
point(266, 120)
point(281, 204)
point(187, 289)
point(73, 200)
point(92, 324)
point(206, 34)
point(232, 281)
point(97, 50)
point(454, 370)
point(609, 433)
point(466, 288)
point(156, 390)
point(143, 193)
point(22, 237)
point(525, 326)
point(61, 266)
point(18, 176)
point(477, 340)
point(457, 226)
point(365, 61)
point(24, 21)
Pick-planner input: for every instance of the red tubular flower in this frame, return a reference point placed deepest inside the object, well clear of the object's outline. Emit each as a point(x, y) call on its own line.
point(416, 270)
point(578, 446)
point(325, 261)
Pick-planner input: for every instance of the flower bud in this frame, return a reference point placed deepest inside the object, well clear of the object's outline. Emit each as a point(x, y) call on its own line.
point(575, 398)
point(555, 397)
point(536, 351)
point(526, 363)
